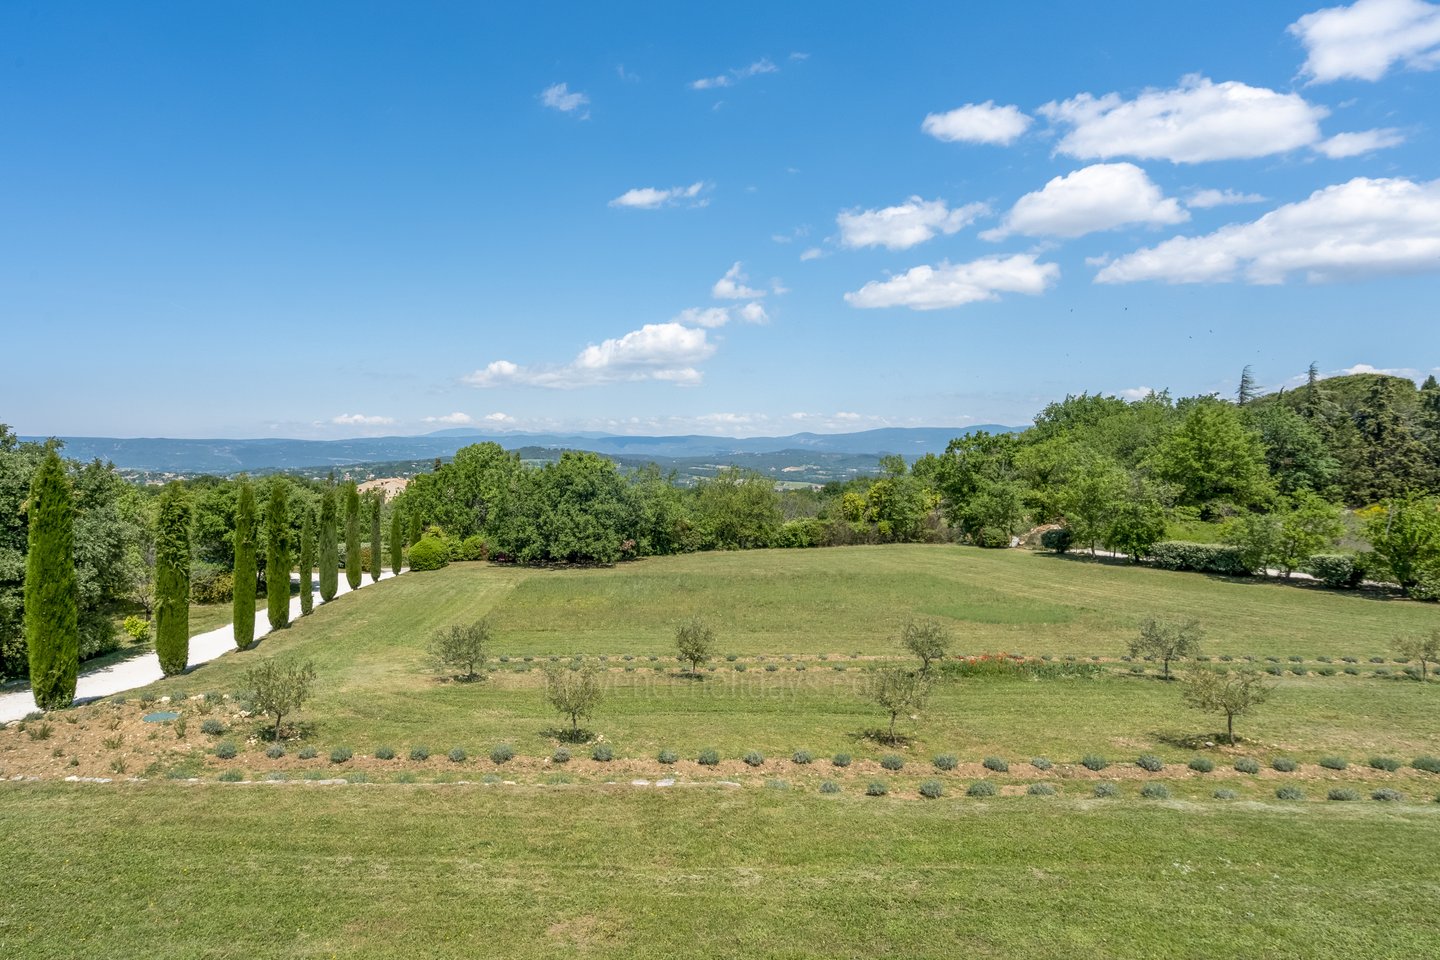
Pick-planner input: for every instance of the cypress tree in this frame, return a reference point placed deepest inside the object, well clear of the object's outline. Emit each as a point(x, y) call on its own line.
point(377, 550)
point(353, 566)
point(243, 603)
point(417, 529)
point(397, 543)
point(329, 546)
point(52, 592)
point(307, 562)
point(277, 557)
point(172, 580)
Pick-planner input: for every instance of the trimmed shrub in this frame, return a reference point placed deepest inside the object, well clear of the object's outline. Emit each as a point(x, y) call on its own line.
point(1289, 793)
point(341, 755)
point(430, 553)
point(801, 756)
point(1284, 765)
point(1092, 762)
point(1389, 764)
point(419, 753)
point(1040, 790)
point(1155, 791)
point(212, 727)
point(1058, 540)
point(843, 760)
point(892, 761)
point(876, 789)
point(1387, 795)
point(932, 789)
point(1247, 765)
point(753, 758)
point(1334, 763)
point(225, 750)
point(667, 757)
point(274, 751)
point(1150, 762)
point(384, 753)
point(996, 764)
point(1201, 764)
point(708, 757)
point(1427, 764)
point(1342, 794)
point(561, 755)
point(1041, 763)
point(829, 786)
point(500, 753)
point(981, 788)
point(1338, 571)
point(1106, 789)
point(1203, 557)
point(946, 761)
point(602, 752)
point(308, 753)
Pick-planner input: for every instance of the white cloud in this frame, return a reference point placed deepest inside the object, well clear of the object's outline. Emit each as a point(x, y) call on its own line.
point(754, 313)
point(560, 97)
point(978, 123)
point(704, 316)
point(1410, 372)
point(902, 227)
point(732, 286)
point(653, 198)
point(1352, 230)
point(455, 419)
point(1365, 141)
point(1098, 197)
point(1204, 199)
point(934, 288)
point(1136, 393)
point(812, 253)
point(360, 420)
point(666, 352)
point(498, 417)
point(729, 79)
point(1364, 40)
point(1196, 121)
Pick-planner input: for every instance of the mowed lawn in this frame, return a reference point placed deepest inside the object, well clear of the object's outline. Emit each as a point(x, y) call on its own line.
point(152, 870)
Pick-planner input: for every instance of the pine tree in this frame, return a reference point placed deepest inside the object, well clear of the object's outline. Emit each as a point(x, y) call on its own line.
point(1393, 459)
point(397, 543)
point(243, 604)
point(353, 565)
point(329, 545)
point(52, 593)
point(172, 580)
point(307, 562)
point(1246, 391)
point(277, 557)
point(377, 550)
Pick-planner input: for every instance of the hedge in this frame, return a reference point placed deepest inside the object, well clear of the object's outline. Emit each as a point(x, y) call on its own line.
point(1058, 539)
point(430, 553)
point(1205, 557)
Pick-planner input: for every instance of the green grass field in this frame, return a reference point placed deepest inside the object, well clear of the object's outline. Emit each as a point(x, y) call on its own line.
point(574, 859)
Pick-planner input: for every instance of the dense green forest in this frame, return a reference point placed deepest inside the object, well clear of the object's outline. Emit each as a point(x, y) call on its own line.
point(1339, 477)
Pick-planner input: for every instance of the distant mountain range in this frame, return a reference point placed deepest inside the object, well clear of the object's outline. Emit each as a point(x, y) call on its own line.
point(161, 455)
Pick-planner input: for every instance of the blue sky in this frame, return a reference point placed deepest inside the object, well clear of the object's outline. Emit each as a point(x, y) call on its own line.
point(659, 218)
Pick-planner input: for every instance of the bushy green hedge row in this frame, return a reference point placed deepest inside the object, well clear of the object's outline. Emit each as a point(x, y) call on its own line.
point(1337, 569)
point(1204, 557)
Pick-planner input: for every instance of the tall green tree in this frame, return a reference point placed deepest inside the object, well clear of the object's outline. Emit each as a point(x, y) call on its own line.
point(1393, 460)
point(52, 604)
point(307, 562)
point(172, 580)
point(277, 556)
point(397, 540)
point(353, 565)
point(243, 602)
point(377, 550)
point(329, 545)
point(1247, 390)
point(1213, 459)
point(1406, 536)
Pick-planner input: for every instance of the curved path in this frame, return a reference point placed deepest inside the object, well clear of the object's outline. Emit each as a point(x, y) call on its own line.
point(142, 670)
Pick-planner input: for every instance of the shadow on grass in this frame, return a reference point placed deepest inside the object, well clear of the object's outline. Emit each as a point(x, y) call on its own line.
point(568, 735)
point(884, 738)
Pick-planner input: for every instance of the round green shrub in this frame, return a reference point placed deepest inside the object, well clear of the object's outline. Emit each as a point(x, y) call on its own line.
point(840, 760)
point(1201, 764)
point(1150, 762)
point(1247, 765)
point(430, 553)
point(1387, 795)
point(753, 758)
point(981, 788)
point(946, 761)
point(1388, 764)
point(932, 789)
point(708, 757)
point(1427, 764)
point(419, 752)
point(1155, 791)
point(876, 789)
point(1284, 765)
point(1290, 793)
point(384, 753)
point(212, 727)
point(667, 757)
point(458, 755)
point(801, 756)
point(1342, 794)
point(1334, 763)
point(1224, 793)
point(275, 751)
point(1041, 763)
point(1107, 789)
point(225, 750)
point(1040, 790)
point(341, 755)
point(997, 765)
point(602, 752)
point(561, 755)
point(1093, 762)
point(829, 786)
point(892, 761)
point(307, 753)
point(500, 753)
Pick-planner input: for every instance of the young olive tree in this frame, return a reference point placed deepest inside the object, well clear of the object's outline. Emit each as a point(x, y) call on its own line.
point(898, 692)
point(1233, 694)
point(695, 642)
point(1423, 647)
point(927, 639)
point(573, 693)
point(276, 688)
point(1167, 640)
point(461, 647)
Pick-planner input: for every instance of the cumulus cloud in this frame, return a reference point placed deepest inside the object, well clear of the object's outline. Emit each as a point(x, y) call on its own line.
point(734, 76)
point(1204, 199)
point(454, 419)
point(360, 420)
point(653, 198)
point(1355, 144)
point(978, 123)
point(1364, 40)
point(1098, 197)
point(753, 313)
point(902, 227)
point(657, 351)
point(1136, 393)
point(732, 286)
point(1362, 228)
point(499, 418)
point(560, 97)
point(1196, 121)
point(704, 316)
point(953, 285)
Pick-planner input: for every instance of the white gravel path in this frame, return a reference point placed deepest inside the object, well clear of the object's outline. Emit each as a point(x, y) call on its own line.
point(143, 670)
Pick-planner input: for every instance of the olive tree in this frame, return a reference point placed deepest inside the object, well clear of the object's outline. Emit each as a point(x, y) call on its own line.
point(1233, 694)
point(461, 647)
point(573, 692)
point(898, 692)
point(1423, 647)
point(695, 642)
point(276, 688)
point(1167, 640)
point(927, 639)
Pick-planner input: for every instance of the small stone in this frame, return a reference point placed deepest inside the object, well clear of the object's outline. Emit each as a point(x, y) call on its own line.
point(667, 782)
point(639, 783)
